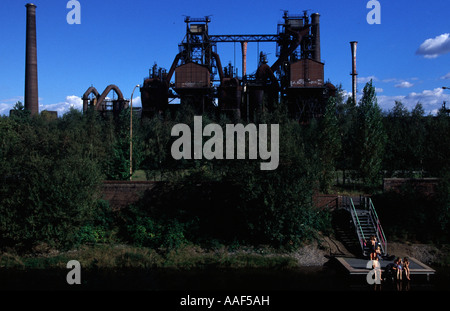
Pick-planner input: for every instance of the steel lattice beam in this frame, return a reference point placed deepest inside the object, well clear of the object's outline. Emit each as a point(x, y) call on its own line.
point(243, 38)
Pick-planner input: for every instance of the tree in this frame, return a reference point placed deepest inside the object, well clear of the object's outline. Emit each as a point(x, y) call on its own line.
point(437, 144)
point(396, 157)
point(346, 115)
point(233, 200)
point(370, 137)
point(19, 112)
point(329, 145)
point(50, 171)
point(418, 137)
point(155, 139)
point(116, 131)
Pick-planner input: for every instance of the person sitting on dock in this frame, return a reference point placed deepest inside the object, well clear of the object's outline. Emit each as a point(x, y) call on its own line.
point(406, 268)
point(398, 268)
point(378, 252)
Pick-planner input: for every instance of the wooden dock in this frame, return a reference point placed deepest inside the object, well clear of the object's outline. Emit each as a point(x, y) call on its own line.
point(357, 266)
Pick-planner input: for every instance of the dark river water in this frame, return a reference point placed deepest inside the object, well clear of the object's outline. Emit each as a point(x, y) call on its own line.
point(164, 289)
point(304, 279)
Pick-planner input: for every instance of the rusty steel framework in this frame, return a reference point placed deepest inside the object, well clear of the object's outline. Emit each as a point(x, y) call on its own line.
point(296, 76)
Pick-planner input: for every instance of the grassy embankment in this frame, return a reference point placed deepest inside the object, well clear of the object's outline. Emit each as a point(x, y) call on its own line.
point(125, 256)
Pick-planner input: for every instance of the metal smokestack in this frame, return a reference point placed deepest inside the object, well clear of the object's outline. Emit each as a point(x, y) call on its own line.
point(31, 79)
point(244, 58)
point(315, 31)
point(354, 73)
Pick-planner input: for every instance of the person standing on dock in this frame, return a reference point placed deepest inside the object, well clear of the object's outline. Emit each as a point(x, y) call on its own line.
point(377, 270)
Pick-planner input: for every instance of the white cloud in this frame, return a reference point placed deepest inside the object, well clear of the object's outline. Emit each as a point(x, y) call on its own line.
point(137, 101)
point(364, 80)
point(446, 77)
point(431, 100)
point(72, 101)
point(432, 48)
point(404, 85)
point(8, 104)
point(400, 82)
point(379, 90)
point(76, 102)
point(389, 80)
point(5, 108)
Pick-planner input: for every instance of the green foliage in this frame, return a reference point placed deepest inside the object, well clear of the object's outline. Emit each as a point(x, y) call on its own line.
point(405, 147)
point(100, 227)
point(437, 146)
point(50, 171)
point(416, 145)
point(410, 216)
point(156, 139)
point(329, 149)
point(19, 113)
point(91, 234)
point(143, 230)
point(370, 137)
point(346, 115)
point(117, 164)
point(443, 203)
point(226, 201)
point(50, 174)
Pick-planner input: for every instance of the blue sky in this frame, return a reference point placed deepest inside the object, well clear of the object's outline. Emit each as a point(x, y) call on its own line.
point(407, 55)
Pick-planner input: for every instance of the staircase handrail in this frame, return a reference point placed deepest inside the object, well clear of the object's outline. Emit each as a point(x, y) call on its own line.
point(378, 224)
point(359, 228)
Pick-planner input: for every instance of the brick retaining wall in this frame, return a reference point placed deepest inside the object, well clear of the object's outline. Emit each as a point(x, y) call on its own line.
point(120, 194)
point(426, 186)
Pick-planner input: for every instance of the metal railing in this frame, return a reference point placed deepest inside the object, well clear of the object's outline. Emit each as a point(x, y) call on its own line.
point(355, 218)
point(380, 232)
point(367, 204)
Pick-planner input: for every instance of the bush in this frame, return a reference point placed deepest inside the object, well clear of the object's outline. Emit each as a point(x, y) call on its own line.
point(50, 173)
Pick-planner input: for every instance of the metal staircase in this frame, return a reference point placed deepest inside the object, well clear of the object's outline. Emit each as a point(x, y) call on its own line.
point(366, 222)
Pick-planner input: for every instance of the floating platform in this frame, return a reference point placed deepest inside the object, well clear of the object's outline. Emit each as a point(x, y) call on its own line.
point(357, 266)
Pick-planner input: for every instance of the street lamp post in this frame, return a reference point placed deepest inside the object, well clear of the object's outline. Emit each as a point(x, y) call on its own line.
point(443, 106)
point(131, 132)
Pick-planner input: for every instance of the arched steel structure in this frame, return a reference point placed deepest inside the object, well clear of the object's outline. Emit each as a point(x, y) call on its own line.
point(99, 102)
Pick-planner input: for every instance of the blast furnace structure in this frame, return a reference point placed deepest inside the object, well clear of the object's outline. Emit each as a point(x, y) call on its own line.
point(296, 78)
